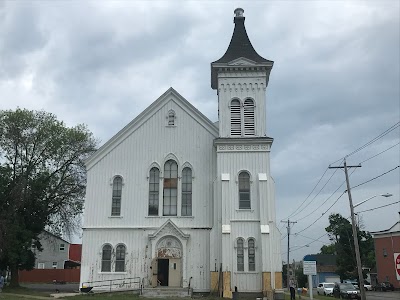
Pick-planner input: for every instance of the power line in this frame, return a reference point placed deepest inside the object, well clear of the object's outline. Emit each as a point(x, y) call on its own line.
point(318, 239)
point(326, 200)
point(393, 127)
point(379, 207)
point(308, 195)
point(322, 213)
point(380, 153)
point(375, 177)
point(315, 195)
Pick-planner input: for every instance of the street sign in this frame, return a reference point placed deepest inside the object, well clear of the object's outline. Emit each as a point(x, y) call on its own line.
point(309, 267)
point(397, 264)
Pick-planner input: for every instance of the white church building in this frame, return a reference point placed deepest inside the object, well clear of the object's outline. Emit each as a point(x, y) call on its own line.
point(174, 198)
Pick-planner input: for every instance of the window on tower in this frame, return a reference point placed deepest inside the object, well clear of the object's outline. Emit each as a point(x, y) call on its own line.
point(240, 254)
point(248, 117)
point(252, 254)
point(170, 188)
point(244, 190)
point(236, 119)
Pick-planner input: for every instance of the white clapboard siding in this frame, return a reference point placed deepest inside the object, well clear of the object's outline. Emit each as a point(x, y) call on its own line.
point(132, 158)
point(138, 255)
point(251, 85)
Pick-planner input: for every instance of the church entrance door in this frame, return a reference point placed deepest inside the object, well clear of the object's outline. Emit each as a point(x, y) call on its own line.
point(163, 271)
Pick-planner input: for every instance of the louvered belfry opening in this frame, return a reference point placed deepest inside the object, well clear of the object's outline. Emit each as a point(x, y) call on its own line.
point(248, 112)
point(236, 122)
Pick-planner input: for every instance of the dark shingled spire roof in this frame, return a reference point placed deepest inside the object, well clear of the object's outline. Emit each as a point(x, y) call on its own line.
point(240, 45)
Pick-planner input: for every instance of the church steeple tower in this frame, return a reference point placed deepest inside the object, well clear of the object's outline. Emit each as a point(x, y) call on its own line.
point(244, 209)
point(241, 76)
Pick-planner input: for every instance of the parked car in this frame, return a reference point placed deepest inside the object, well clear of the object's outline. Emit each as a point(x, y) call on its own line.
point(384, 286)
point(353, 282)
point(367, 286)
point(325, 288)
point(346, 291)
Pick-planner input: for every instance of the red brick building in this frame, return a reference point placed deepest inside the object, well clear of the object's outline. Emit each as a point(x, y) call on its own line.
point(387, 252)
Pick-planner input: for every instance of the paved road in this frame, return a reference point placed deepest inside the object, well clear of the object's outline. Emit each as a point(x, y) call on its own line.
point(383, 295)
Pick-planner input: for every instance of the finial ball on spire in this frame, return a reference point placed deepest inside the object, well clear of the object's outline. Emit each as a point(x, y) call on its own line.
point(239, 12)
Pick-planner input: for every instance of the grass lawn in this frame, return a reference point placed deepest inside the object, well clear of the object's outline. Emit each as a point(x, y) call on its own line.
point(23, 291)
point(117, 296)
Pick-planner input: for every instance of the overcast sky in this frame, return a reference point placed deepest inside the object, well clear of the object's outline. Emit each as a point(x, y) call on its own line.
point(333, 88)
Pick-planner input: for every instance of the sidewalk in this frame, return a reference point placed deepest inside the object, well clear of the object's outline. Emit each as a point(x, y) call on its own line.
point(302, 297)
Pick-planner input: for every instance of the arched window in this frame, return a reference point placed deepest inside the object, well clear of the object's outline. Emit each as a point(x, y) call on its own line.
point(248, 117)
point(171, 118)
point(120, 259)
point(154, 189)
point(244, 191)
point(236, 120)
point(106, 258)
point(252, 254)
point(116, 196)
point(186, 192)
point(240, 254)
point(170, 188)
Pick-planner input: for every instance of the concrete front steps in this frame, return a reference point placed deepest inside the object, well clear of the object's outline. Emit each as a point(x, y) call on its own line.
point(166, 292)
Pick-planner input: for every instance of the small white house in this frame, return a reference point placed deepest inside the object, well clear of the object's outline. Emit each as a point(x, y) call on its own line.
point(174, 198)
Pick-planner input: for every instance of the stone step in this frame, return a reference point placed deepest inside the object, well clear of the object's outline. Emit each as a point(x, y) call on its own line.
point(165, 292)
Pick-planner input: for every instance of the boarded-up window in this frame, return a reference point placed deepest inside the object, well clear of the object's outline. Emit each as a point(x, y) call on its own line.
point(186, 192)
point(240, 254)
point(170, 188)
point(252, 255)
point(106, 259)
point(236, 122)
point(154, 188)
point(116, 197)
point(248, 117)
point(244, 191)
point(120, 259)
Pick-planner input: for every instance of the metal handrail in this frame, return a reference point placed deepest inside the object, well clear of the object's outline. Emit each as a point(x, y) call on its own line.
point(130, 283)
point(190, 279)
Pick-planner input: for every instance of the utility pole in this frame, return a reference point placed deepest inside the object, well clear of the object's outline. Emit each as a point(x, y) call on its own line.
point(353, 225)
point(288, 248)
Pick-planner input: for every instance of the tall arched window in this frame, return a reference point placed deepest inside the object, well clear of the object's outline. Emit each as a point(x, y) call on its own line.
point(244, 191)
point(236, 119)
point(106, 258)
point(120, 259)
point(154, 189)
point(170, 188)
point(186, 192)
point(248, 117)
point(240, 254)
point(252, 254)
point(116, 196)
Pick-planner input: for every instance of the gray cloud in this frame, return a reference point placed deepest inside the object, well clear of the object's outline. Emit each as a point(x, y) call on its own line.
point(334, 85)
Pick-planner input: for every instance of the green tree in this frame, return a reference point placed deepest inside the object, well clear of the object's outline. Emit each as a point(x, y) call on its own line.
point(42, 182)
point(328, 249)
point(341, 235)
